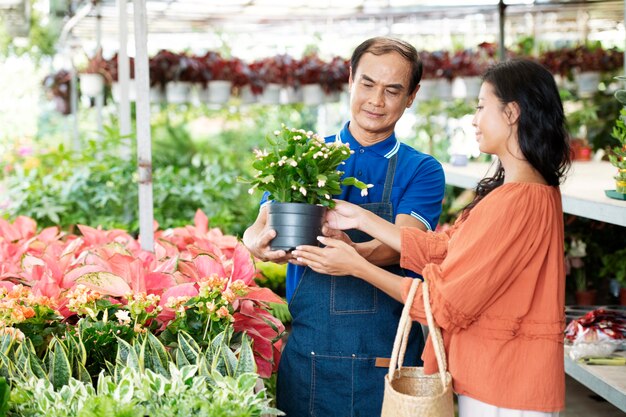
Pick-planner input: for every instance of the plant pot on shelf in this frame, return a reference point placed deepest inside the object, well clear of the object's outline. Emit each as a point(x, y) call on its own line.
point(586, 298)
point(312, 94)
point(587, 83)
point(177, 92)
point(466, 87)
point(91, 85)
point(295, 224)
point(216, 92)
point(271, 94)
point(580, 149)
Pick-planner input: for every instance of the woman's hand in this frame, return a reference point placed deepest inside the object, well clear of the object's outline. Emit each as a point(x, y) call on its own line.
point(337, 258)
point(344, 216)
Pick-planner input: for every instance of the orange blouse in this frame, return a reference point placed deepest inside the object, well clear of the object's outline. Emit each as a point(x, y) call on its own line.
point(497, 285)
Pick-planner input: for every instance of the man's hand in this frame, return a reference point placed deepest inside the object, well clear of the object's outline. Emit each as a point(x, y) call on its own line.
point(257, 239)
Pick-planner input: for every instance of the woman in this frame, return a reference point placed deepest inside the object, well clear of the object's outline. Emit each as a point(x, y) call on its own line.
point(496, 278)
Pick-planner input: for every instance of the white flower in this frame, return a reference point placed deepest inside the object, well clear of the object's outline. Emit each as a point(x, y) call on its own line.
point(293, 163)
point(363, 192)
point(578, 249)
point(321, 183)
point(260, 153)
point(277, 132)
point(303, 191)
point(251, 190)
point(123, 316)
point(326, 196)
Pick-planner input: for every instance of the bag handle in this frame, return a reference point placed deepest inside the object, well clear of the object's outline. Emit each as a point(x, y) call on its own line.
point(404, 328)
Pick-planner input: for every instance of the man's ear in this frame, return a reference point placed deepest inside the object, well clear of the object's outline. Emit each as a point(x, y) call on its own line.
point(412, 96)
point(350, 81)
point(512, 112)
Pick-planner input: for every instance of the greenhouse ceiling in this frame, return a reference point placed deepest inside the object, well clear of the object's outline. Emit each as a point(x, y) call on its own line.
point(258, 27)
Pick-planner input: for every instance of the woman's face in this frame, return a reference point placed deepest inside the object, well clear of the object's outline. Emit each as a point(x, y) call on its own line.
point(494, 122)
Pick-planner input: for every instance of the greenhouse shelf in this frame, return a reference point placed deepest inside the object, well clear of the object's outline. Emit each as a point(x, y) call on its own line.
point(582, 193)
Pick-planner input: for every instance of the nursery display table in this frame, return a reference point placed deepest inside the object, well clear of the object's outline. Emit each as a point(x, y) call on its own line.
point(608, 381)
point(583, 190)
point(583, 195)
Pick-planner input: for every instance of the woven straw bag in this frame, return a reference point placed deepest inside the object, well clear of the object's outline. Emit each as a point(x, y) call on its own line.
point(408, 391)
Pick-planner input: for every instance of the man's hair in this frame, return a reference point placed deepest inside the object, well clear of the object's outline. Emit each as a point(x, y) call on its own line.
point(382, 46)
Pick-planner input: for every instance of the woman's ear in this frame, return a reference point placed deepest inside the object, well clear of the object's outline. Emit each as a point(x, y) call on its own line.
point(512, 112)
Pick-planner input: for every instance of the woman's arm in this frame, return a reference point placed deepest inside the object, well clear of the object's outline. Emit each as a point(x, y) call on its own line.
point(339, 258)
point(350, 216)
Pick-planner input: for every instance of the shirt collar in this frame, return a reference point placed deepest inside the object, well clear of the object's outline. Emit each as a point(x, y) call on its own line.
point(386, 148)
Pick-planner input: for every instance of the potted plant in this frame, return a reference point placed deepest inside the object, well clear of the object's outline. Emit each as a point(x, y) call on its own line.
point(299, 173)
point(575, 252)
point(57, 87)
point(309, 77)
point(617, 155)
point(216, 76)
point(334, 77)
point(581, 115)
point(614, 266)
point(95, 75)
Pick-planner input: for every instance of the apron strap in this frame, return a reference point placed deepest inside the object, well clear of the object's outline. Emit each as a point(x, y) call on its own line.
point(391, 173)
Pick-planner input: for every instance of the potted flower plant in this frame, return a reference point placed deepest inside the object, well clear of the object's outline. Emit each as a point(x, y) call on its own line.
point(95, 75)
point(617, 156)
point(576, 251)
point(299, 173)
point(614, 266)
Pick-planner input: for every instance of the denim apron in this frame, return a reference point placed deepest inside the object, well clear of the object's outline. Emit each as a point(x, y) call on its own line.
point(340, 326)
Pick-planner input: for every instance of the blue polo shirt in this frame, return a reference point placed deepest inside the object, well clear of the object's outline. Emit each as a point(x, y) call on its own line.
point(418, 186)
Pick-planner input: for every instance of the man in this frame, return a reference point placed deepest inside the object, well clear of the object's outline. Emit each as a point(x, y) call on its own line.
point(343, 329)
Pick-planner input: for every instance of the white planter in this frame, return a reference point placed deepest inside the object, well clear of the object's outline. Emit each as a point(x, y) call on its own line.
point(290, 95)
point(132, 91)
point(444, 89)
point(91, 85)
point(216, 91)
point(427, 89)
point(587, 82)
point(177, 92)
point(271, 94)
point(157, 95)
point(312, 94)
point(246, 95)
point(466, 87)
point(332, 97)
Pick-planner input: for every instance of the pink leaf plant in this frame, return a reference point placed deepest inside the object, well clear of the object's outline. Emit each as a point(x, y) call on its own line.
point(111, 263)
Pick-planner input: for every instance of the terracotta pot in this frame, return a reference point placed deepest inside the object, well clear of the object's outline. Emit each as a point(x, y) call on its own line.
point(586, 298)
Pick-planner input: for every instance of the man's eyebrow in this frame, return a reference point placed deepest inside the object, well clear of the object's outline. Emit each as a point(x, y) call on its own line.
point(395, 86)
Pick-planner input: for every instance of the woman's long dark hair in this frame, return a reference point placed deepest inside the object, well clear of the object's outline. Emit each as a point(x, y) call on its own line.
point(541, 131)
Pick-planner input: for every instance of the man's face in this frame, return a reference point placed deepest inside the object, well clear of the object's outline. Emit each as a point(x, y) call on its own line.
point(379, 94)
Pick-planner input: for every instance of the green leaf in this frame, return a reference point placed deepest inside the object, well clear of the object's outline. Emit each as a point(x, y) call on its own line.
point(126, 356)
point(59, 368)
point(188, 347)
point(246, 361)
point(5, 395)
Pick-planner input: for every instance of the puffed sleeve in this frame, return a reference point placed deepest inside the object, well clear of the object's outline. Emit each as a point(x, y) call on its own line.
point(485, 255)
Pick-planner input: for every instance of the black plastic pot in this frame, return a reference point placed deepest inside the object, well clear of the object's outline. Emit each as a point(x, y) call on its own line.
point(295, 224)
